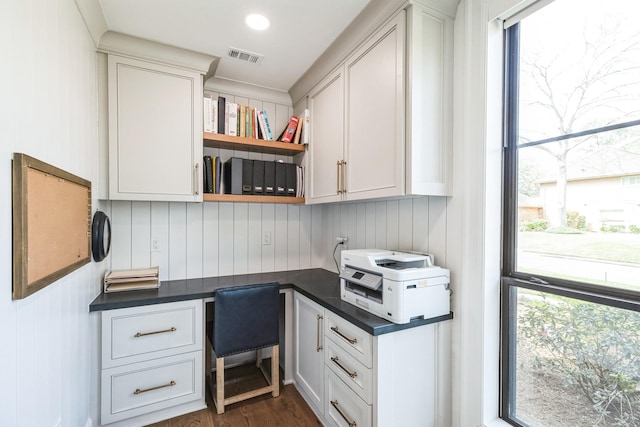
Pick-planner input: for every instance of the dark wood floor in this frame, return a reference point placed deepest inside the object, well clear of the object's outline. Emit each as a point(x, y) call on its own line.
point(289, 409)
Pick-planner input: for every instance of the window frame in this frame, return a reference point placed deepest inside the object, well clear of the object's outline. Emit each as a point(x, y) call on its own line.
point(512, 279)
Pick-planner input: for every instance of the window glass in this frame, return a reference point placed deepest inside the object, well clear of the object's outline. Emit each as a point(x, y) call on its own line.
point(576, 362)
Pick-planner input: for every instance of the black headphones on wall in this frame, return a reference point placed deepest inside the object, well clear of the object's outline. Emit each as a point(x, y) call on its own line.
point(100, 236)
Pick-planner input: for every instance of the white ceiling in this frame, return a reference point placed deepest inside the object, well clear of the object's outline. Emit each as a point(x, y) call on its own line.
point(300, 31)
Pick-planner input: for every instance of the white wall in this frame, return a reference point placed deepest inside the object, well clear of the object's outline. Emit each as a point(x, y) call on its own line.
point(48, 110)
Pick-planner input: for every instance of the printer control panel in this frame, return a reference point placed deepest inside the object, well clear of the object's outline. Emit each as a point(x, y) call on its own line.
point(362, 278)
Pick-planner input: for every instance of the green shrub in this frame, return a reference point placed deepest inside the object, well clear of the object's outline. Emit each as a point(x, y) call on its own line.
point(612, 228)
point(634, 229)
point(591, 346)
point(535, 225)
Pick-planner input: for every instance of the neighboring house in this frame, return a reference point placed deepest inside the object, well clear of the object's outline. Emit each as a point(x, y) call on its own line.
point(529, 209)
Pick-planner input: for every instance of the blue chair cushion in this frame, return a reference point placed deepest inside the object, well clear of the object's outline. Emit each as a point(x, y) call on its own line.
point(245, 318)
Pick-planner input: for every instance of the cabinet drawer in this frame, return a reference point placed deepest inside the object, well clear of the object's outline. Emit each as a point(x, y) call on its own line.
point(349, 337)
point(343, 407)
point(135, 334)
point(357, 376)
point(140, 388)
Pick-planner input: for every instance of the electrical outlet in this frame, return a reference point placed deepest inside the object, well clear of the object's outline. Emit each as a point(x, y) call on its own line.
point(155, 245)
point(342, 239)
point(266, 238)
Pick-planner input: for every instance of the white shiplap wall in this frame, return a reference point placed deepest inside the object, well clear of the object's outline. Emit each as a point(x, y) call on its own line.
point(218, 239)
point(48, 109)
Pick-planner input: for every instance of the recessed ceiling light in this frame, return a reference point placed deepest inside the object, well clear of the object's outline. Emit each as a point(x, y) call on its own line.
point(257, 22)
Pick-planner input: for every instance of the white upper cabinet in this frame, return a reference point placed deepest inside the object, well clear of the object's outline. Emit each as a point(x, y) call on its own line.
point(326, 107)
point(381, 121)
point(155, 120)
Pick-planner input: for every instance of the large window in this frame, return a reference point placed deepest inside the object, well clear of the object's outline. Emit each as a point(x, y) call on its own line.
point(570, 349)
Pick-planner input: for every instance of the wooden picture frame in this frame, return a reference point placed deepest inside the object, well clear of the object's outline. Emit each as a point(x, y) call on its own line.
point(51, 224)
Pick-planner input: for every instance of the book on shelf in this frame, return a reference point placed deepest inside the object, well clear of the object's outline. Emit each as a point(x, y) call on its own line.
point(306, 121)
point(217, 168)
point(254, 123)
point(266, 125)
point(233, 119)
point(296, 138)
point(214, 116)
point(207, 174)
point(221, 114)
point(207, 106)
point(289, 131)
point(226, 118)
point(261, 125)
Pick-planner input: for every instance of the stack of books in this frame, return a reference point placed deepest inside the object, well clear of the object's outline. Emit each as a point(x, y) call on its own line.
point(130, 280)
point(229, 118)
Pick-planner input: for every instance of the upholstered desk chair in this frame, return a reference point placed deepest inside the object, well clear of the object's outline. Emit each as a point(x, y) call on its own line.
point(246, 318)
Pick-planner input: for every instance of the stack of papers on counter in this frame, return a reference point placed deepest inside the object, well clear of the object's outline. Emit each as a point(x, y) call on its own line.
point(129, 280)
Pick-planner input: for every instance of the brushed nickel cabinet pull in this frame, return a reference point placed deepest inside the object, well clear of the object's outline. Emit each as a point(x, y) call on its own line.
point(334, 403)
point(142, 334)
point(335, 360)
point(197, 180)
point(350, 340)
point(344, 175)
point(144, 390)
point(338, 187)
point(318, 331)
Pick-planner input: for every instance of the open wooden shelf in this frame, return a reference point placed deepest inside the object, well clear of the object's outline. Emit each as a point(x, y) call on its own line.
point(214, 140)
point(208, 197)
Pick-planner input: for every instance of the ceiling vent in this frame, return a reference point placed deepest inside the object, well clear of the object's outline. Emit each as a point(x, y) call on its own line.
point(244, 55)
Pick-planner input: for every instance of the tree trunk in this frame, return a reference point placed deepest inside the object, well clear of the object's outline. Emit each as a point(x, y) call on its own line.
point(561, 188)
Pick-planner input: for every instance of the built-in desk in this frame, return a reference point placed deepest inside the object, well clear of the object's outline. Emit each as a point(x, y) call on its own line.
point(320, 286)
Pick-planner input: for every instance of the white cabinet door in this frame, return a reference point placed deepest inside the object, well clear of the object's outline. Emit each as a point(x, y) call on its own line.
point(309, 350)
point(155, 131)
point(326, 107)
point(374, 81)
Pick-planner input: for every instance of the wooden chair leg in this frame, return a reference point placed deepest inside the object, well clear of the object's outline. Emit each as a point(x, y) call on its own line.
point(275, 370)
point(220, 385)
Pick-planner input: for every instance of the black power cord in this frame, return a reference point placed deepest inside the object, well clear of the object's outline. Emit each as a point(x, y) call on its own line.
point(334, 255)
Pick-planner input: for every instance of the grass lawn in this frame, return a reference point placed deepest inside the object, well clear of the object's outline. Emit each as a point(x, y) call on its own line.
point(618, 247)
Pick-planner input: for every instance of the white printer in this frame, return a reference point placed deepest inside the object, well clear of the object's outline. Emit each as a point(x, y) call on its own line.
point(394, 285)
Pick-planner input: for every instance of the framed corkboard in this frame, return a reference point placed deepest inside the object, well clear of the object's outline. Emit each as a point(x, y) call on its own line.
point(51, 224)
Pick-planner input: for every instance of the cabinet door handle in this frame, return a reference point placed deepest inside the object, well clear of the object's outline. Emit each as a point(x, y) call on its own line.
point(197, 179)
point(318, 333)
point(338, 186)
point(335, 404)
point(142, 334)
point(344, 175)
point(351, 341)
point(335, 360)
point(144, 390)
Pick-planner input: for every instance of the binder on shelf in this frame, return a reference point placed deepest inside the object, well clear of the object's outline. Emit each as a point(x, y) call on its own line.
point(290, 179)
point(281, 179)
point(247, 176)
point(208, 174)
point(130, 280)
point(269, 178)
point(221, 114)
point(233, 176)
point(299, 182)
point(258, 177)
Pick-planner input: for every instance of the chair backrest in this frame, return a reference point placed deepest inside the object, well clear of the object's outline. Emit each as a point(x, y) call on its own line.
point(246, 318)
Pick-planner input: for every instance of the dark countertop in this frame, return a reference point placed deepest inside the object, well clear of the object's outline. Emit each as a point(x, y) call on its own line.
point(319, 285)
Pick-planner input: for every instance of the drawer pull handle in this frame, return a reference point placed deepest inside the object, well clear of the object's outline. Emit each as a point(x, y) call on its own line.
point(318, 343)
point(350, 340)
point(142, 334)
point(138, 391)
point(335, 360)
point(334, 403)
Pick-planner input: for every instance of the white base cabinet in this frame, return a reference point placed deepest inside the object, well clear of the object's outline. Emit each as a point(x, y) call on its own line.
point(152, 360)
point(373, 381)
